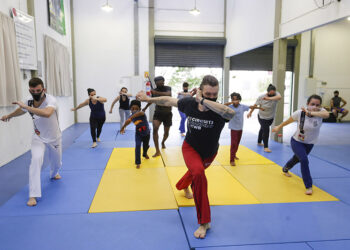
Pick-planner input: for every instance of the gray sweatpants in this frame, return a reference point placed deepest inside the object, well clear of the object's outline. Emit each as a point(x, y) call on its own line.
point(124, 115)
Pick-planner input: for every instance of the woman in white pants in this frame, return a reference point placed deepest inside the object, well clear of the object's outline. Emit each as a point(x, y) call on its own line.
point(124, 105)
point(47, 134)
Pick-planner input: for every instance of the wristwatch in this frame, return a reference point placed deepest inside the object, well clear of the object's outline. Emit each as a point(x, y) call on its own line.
point(201, 102)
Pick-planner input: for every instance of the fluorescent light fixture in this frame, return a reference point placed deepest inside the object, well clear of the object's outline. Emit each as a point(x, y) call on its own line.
point(195, 11)
point(106, 7)
point(349, 18)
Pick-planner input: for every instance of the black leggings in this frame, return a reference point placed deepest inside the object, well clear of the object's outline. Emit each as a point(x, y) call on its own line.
point(264, 131)
point(96, 125)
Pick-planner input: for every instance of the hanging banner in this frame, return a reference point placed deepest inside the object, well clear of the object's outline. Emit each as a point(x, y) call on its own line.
point(26, 40)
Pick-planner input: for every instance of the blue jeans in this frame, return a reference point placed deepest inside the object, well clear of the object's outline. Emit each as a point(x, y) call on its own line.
point(145, 141)
point(301, 151)
point(182, 123)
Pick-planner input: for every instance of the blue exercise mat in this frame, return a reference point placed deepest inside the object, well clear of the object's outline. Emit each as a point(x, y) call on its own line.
point(285, 246)
point(270, 223)
point(339, 187)
point(72, 194)
point(153, 230)
point(330, 245)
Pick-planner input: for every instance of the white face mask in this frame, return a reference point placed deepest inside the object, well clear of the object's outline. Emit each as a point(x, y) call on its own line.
point(313, 108)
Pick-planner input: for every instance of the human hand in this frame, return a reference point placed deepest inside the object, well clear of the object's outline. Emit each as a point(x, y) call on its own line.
point(5, 118)
point(20, 104)
point(73, 109)
point(275, 129)
point(199, 95)
point(122, 131)
point(249, 115)
point(141, 96)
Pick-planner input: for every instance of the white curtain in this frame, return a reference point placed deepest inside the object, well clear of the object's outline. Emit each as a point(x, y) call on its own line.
point(57, 60)
point(10, 81)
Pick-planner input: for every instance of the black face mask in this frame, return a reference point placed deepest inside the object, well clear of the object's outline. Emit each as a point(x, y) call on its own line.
point(185, 90)
point(271, 95)
point(211, 99)
point(36, 96)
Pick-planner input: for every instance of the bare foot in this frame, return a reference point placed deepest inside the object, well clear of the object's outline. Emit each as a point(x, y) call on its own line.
point(57, 177)
point(98, 139)
point(163, 145)
point(267, 150)
point(308, 191)
point(183, 134)
point(156, 154)
point(260, 144)
point(233, 163)
point(188, 193)
point(287, 174)
point(138, 166)
point(146, 156)
point(94, 145)
point(202, 231)
point(31, 202)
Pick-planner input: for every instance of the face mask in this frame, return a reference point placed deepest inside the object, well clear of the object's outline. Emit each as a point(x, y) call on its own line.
point(312, 108)
point(211, 99)
point(269, 95)
point(186, 90)
point(36, 96)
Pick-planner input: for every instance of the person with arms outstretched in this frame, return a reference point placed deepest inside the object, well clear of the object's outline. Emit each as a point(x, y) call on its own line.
point(43, 109)
point(206, 119)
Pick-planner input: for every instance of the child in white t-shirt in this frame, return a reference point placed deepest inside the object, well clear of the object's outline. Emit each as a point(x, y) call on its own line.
point(303, 140)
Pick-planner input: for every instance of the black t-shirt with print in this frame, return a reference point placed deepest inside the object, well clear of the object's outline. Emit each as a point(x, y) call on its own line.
point(203, 128)
point(162, 109)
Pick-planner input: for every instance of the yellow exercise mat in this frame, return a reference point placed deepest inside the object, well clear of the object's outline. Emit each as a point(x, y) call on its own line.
point(133, 190)
point(246, 156)
point(172, 157)
point(269, 185)
point(223, 189)
point(125, 158)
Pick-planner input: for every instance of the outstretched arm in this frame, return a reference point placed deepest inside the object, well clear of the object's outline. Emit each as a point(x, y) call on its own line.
point(155, 92)
point(277, 97)
point(322, 113)
point(128, 121)
point(161, 100)
point(15, 113)
point(224, 111)
point(285, 123)
point(113, 103)
point(83, 104)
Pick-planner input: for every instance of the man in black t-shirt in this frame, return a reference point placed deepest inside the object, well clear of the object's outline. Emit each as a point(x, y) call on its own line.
point(206, 119)
point(162, 114)
point(336, 107)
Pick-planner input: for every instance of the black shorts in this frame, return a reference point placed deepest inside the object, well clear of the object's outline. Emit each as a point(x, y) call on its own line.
point(165, 118)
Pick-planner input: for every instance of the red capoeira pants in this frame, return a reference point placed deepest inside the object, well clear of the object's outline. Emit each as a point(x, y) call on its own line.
point(195, 176)
point(236, 136)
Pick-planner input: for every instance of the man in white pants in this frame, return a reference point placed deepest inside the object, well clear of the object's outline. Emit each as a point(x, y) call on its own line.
point(47, 134)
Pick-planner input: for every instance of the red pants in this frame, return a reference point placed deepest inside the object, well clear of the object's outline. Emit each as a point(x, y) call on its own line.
point(195, 176)
point(236, 136)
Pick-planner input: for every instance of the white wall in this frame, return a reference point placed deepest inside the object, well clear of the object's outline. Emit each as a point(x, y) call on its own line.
point(249, 24)
point(104, 50)
point(15, 136)
point(302, 15)
point(173, 19)
point(331, 62)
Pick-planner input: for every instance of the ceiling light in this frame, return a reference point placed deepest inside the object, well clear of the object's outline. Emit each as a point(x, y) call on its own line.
point(349, 18)
point(195, 11)
point(106, 7)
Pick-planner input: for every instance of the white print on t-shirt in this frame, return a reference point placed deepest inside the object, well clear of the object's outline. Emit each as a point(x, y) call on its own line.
point(198, 124)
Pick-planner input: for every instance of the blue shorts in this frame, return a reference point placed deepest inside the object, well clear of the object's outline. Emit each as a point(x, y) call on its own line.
point(339, 110)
